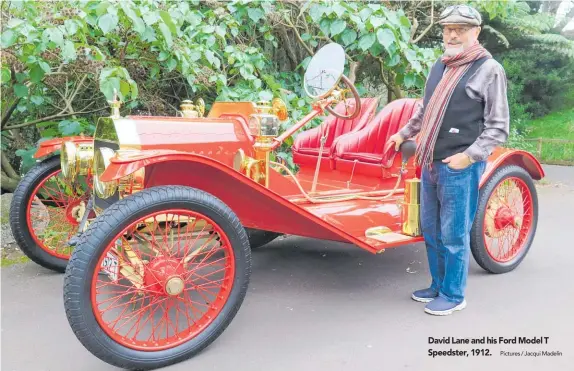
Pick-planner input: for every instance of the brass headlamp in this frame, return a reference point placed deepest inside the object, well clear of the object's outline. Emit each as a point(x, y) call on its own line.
point(264, 125)
point(101, 162)
point(188, 109)
point(266, 121)
point(76, 159)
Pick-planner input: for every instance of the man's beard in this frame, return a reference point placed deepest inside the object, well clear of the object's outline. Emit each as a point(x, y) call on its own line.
point(452, 51)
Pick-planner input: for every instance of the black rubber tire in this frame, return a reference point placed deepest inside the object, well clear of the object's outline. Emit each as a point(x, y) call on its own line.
point(18, 222)
point(78, 277)
point(477, 244)
point(258, 237)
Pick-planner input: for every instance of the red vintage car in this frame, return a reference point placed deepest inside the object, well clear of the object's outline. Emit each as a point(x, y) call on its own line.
point(50, 200)
point(163, 268)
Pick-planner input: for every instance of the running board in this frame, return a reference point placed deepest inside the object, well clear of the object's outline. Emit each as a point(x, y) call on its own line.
point(383, 237)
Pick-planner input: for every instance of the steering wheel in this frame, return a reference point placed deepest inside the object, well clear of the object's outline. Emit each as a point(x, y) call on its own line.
point(323, 78)
point(342, 96)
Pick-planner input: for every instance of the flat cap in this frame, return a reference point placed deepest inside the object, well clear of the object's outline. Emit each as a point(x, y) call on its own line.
point(460, 14)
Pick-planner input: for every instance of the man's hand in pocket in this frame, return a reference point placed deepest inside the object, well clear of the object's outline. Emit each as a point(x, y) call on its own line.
point(458, 162)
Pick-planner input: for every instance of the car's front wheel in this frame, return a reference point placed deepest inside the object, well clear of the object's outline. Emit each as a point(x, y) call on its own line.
point(157, 277)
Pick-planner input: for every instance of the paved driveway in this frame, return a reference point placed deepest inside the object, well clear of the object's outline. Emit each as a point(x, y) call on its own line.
point(328, 306)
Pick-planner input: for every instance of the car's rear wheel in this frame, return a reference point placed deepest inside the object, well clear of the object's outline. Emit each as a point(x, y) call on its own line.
point(506, 220)
point(44, 214)
point(157, 277)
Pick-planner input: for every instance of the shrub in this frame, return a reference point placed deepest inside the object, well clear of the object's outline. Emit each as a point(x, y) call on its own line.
point(538, 82)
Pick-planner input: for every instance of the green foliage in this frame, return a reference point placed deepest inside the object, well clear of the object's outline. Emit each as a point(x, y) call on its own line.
point(65, 60)
point(501, 10)
point(62, 61)
point(518, 140)
point(557, 44)
point(557, 133)
point(216, 47)
point(559, 125)
point(538, 82)
point(28, 160)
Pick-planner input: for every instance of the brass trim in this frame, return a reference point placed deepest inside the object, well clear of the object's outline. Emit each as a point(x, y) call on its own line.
point(132, 183)
point(279, 109)
point(200, 105)
point(115, 105)
point(239, 159)
point(191, 110)
point(410, 208)
point(76, 159)
point(101, 162)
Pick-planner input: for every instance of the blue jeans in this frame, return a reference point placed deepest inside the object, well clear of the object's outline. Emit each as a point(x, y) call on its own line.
point(449, 200)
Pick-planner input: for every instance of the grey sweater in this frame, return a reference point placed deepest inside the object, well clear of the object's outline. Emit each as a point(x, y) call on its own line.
point(488, 85)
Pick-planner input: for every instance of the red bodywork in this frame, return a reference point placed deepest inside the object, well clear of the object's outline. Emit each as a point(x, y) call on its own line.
point(356, 163)
point(50, 146)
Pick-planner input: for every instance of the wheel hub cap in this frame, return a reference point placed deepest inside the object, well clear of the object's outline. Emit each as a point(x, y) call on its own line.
point(508, 219)
point(75, 211)
point(165, 276)
point(505, 217)
point(174, 286)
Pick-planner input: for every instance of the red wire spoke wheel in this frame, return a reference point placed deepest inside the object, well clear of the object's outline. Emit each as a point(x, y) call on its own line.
point(45, 214)
point(506, 220)
point(157, 277)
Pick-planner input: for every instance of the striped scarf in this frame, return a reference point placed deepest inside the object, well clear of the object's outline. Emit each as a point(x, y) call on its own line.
point(436, 108)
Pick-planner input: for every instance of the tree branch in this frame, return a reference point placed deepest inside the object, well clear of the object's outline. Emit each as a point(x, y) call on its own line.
point(7, 168)
point(8, 183)
point(8, 113)
point(426, 30)
point(391, 87)
point(290, 51)
point(385, 81)
point(71, 99)
point(48, 118)
point(123, 52)
point(299, 37)
point(353, 71)
point(56, 107)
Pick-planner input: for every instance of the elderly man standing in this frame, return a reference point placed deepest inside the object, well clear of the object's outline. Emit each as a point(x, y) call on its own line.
point(464, 115)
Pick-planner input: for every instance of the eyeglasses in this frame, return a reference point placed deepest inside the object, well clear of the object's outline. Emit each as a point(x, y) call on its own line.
point(463, 10)
point(459, 31)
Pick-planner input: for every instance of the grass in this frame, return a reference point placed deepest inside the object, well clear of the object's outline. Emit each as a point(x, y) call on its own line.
point(557, 133)
point(558, 125)
point(5, 217)
point(5, 208)
point(6, 261)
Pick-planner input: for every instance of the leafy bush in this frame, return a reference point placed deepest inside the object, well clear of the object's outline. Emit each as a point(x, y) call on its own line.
point(62, 61)
point(518, 140)
point(538, 82)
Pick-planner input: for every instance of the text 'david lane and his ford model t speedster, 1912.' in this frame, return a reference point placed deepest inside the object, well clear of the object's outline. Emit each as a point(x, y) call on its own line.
point(160, 257)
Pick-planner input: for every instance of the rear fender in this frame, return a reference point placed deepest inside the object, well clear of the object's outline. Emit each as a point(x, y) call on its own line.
point(49, 147)
point(502, 157)
point(256, 206)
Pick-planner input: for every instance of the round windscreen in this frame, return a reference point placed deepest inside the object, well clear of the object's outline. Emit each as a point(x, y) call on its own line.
point(324, 71)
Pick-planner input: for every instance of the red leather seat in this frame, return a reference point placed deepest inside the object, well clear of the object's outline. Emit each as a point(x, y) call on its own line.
point(367, 144)
point(307, 144)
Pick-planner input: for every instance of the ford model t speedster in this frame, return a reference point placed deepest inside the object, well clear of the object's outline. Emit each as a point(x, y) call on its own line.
point(53, 202)
point(164, 263)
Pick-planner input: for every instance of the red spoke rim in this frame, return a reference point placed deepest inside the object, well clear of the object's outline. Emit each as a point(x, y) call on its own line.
point(508, 220)
point(59, 225)
point(168, 285)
